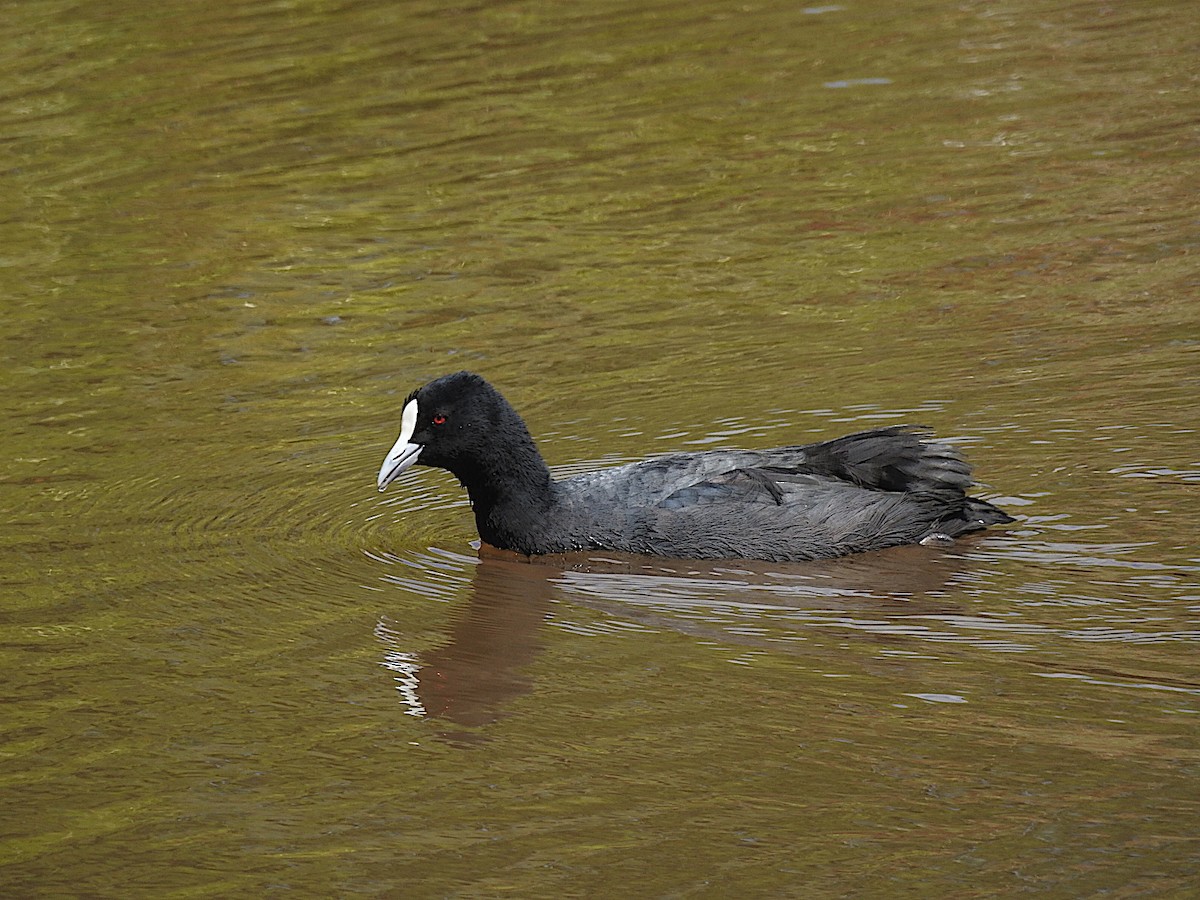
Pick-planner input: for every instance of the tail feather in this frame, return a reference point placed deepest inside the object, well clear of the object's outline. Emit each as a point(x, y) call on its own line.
point(985, 513)
point(898, 458)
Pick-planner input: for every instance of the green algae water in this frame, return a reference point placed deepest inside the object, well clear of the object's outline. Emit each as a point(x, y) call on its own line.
point(236, 235)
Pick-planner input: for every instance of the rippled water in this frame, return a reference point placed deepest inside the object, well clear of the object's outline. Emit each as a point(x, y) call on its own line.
point(236, 236)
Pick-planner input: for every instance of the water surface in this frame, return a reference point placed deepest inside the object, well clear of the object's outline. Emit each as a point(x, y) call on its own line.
point(236, 235)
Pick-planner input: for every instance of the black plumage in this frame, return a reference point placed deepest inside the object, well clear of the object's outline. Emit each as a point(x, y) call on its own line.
point(865, 491)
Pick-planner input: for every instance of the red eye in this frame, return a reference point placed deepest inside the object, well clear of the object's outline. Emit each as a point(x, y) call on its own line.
point(439, 419)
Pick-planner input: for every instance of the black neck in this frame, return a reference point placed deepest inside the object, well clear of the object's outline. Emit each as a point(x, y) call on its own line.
point(511, 489)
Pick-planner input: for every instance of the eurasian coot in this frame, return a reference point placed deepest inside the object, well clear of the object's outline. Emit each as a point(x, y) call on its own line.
point(865, 491)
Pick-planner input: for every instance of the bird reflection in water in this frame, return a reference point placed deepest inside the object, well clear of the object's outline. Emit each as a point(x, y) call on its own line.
point(472, 679)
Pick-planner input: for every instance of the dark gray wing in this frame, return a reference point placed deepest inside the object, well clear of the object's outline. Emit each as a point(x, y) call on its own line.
point(864, 491)
point(899, 458)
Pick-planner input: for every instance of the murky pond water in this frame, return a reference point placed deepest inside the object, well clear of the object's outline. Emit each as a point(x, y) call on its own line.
point(237, 234)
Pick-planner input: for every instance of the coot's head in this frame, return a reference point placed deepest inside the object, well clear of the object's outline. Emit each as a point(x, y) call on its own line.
point(453, 423)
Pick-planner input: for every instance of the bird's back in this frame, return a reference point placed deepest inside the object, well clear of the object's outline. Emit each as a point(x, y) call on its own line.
point(861, 492)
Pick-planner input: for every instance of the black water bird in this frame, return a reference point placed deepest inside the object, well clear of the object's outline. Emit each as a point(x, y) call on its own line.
point(866, 491)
